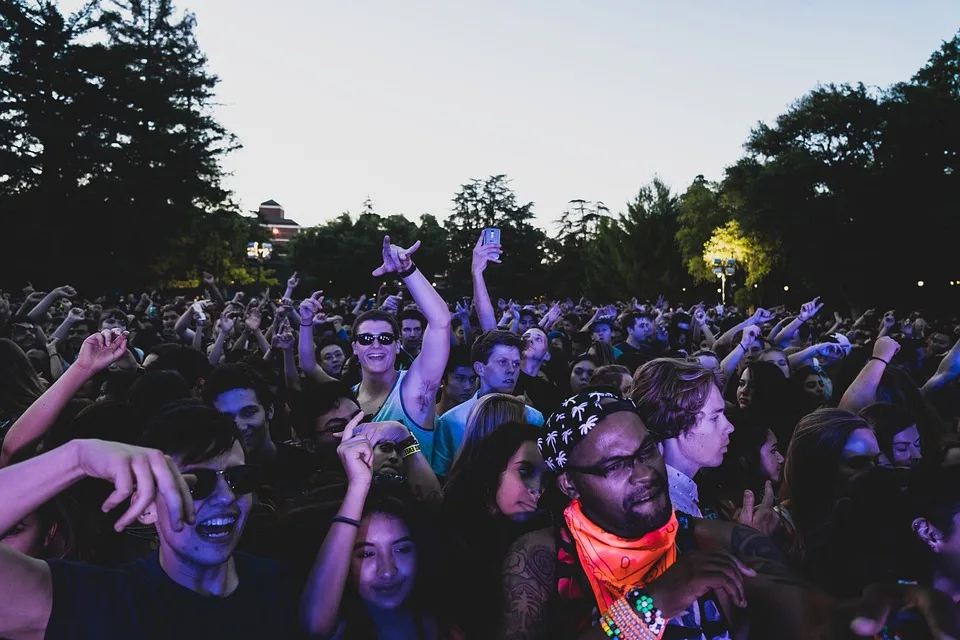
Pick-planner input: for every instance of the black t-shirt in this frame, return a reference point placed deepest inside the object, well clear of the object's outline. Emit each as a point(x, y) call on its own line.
point(633, 358)
point(285, 477)
point(544, 395)
point(139, 600)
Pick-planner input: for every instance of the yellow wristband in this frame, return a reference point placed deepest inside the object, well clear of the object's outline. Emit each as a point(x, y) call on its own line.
point(409, 451)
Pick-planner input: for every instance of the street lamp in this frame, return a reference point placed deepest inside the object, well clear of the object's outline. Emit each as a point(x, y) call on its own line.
point(786, 288)
point(919, 283)
point(259, 251)
point(724, 269)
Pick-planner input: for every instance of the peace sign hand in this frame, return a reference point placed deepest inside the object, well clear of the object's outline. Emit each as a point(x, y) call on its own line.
point(395, 259)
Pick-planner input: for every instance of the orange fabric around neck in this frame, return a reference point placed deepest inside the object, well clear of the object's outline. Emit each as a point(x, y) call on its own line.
point(613, 565)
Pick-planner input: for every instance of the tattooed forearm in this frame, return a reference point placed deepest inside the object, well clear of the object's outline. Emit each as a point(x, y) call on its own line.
point(761, 555)
point(528, 575)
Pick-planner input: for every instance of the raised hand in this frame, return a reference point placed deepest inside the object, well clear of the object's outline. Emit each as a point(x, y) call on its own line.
point(356, 453)
point(699, 315)
point(310, 307)
point(395, 259)
point(762, 517)
point(391, 304)
point(65, 291)
point(102, 349)
point(501, 304)
point(293, 282)
point(208, 279)
point(750, 335)
point(377, 432)
point(810, 309)
point(284, 339)
point(885, 348)
point(227, 324)
point(761, 317)
point(76, 314)
point(143, 474)
point(693, 575)
point(829, 350)
point(237, 297)
point(483, 254)
point(463, 311)
point(882, 600)
point(252, 322)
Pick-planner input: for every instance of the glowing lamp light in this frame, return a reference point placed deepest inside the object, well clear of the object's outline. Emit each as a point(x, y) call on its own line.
point(786, 288)
point(276, 231)
point(718, 290)
point(685, 289)
point(755, 285)
point(919, 283)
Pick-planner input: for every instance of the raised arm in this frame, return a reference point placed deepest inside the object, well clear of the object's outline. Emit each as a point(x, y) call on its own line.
point(182, 327)
point(947, 372)
point(26, 588)
point(323, 594)
point(309, 310)
point(807, 311)
point(730, 363)
point(36, 314)
point(56, 362)
point(284, 341)
point(700, 320)
point(863, 390)
point(483, 254)
point(73, 316)
point(759, 318)
point(98, 352)
point(420, 385)
point(210, 284)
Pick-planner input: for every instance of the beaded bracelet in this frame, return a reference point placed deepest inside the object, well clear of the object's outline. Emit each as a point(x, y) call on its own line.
point(644, 606)
point(622, 622)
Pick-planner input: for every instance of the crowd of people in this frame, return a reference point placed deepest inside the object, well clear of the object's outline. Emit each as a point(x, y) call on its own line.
point(397, 466)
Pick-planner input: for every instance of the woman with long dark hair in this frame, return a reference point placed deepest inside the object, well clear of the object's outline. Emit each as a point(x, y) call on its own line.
point(491, 498)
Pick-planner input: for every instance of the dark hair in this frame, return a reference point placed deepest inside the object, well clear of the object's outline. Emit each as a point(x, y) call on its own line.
point(107, 420)
point(474, 478)
point(670, 394)
point(237, 376)
point(811, 469)
point(741, 468)
point(609, 376)
point(375, 315)
point(313, 404)
point(412, 314)
point(531, 314)
point(605, 320)
point(896, 386)
point(117, 384)
point(116, 314)
point(772, 393)
point(154, 390)
point(887, 420)
point(483, 348)
point(20, 386)
point(189, 363)
point(459, 357)
point(935, 496)
point(193, 432)
point(629, 320)
point(574, 318)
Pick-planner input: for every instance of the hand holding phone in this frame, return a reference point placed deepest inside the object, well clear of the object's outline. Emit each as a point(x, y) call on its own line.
point(491, 236)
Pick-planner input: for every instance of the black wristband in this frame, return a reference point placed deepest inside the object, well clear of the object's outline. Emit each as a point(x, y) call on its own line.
point(346, 520)
point(408, 272)
point(880, 359)
point(407, 442)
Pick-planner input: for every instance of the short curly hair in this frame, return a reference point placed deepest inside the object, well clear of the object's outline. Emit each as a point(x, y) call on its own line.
point(670, 393)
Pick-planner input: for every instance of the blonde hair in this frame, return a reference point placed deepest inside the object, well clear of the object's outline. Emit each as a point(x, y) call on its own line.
point(490, 411)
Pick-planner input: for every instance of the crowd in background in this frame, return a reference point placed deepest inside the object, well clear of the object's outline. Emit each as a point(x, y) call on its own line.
point(404, 466)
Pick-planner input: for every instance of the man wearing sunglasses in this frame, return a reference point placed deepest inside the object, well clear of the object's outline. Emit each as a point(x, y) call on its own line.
point(409, 396)
point(194, 484)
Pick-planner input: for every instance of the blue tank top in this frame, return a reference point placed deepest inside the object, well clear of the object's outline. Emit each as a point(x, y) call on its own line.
point(392, 409)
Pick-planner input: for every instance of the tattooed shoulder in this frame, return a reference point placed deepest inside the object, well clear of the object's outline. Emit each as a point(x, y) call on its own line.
point(528, 576)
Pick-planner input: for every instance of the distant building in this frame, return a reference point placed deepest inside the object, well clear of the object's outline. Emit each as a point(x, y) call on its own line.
point(272, 217)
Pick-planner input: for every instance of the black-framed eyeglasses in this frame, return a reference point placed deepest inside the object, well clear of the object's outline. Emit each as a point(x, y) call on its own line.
point(366, 339)
point(242, 479)
point(646, 454)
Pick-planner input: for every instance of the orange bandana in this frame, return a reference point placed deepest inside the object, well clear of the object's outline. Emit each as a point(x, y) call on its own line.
point(613, 565)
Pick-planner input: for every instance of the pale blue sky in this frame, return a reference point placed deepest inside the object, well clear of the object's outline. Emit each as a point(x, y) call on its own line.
point(405, 101)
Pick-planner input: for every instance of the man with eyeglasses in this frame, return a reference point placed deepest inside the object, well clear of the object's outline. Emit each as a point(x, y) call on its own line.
point(621, 563)
point(409, 396)
point(193, 482)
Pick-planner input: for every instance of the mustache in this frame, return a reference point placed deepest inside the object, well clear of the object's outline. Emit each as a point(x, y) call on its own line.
point(656, 486)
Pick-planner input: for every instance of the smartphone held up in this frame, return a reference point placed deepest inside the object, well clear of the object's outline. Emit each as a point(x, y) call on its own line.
point(491, 236)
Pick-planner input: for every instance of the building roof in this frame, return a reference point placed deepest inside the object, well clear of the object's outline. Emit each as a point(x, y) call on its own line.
point(286, 222)
point(271, 203)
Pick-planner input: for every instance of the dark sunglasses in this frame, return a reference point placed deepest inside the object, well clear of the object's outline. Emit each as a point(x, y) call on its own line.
point(242, 480)
point(366, 339)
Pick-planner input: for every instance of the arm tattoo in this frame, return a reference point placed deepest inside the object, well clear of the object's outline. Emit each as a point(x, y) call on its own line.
point(527, 579)
point(759, 553)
